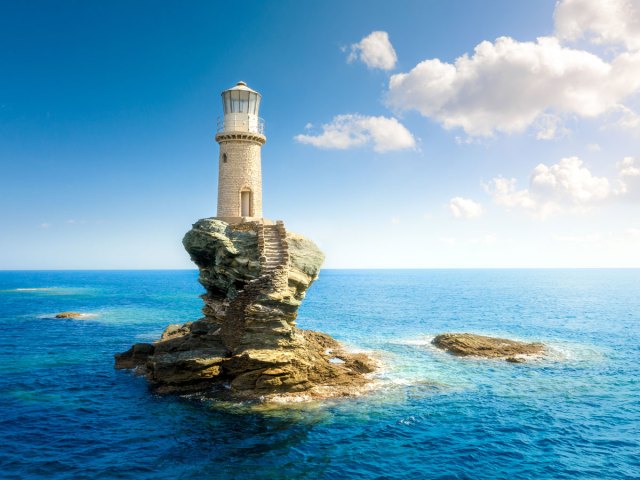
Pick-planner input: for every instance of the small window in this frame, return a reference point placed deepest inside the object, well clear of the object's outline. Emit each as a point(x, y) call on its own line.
point(224, 158)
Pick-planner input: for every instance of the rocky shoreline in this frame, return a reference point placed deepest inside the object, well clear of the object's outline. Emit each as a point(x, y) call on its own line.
point(247, 345)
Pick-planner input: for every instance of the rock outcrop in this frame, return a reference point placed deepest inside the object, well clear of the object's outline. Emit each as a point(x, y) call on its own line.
point(468, 344)
point(247, 344)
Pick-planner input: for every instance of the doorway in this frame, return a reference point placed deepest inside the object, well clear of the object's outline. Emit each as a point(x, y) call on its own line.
point(245, 203)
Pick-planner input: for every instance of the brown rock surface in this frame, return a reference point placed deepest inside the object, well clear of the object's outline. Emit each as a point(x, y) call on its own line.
point(69, 315)
point(468, 344)
point(247, 344)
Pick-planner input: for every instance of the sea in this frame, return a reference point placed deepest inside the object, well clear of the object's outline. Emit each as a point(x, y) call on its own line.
point(66, 413)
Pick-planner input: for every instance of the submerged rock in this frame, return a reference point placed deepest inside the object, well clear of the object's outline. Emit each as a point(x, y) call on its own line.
point(468, 344)
point(247, 344)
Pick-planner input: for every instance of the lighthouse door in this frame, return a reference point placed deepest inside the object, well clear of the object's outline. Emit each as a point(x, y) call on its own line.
point(245, 203)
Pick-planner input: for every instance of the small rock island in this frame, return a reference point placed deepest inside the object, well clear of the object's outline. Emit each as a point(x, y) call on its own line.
point(256, 274)
point(69, 315)
point(469, 344)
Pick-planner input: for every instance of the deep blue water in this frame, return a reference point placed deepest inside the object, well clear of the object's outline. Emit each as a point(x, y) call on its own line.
point(66, 413)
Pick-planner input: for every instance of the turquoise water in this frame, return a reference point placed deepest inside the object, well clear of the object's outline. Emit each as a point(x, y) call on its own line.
point(66, 413)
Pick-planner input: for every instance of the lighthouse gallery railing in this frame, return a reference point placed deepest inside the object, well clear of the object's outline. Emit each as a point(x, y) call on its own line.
point(232, 123)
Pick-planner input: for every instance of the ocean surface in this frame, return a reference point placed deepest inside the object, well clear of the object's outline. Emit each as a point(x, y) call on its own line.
point(65, 413)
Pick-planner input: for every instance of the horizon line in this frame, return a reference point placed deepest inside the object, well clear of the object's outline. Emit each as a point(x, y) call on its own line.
point(323, 269)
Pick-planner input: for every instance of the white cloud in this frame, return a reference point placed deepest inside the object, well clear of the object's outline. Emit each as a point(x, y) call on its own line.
point(504, 192)
point(629, 167)
point(602, 22)
point(45, 225)
point(550, 127)
point(568, 181)
point(353, 130)
point(465, 208)
point(375, 51)
point(594, 147)
point(508, 85)
point(627, 119)
point(567, 186)
point(629, 182)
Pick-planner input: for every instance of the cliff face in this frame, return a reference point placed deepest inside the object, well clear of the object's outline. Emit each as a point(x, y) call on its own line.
point(247, 343)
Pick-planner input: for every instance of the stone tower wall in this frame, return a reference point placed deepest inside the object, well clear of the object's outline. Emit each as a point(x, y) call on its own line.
point(241, 170)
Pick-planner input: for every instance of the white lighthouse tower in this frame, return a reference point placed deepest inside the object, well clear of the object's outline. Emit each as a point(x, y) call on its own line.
point(241, 136)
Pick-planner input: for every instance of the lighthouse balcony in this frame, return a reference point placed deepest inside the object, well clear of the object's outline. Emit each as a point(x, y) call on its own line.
point(240, 123)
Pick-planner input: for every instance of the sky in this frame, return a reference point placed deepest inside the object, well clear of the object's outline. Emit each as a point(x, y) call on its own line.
point(408, 134)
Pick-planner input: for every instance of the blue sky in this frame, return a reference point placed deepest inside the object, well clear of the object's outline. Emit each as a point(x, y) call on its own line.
point(524, 153)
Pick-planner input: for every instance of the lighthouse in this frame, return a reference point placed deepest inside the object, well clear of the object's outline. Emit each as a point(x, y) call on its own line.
point(240, 135)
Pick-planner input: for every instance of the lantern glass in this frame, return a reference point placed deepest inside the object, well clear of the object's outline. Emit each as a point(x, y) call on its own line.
point(252, 103)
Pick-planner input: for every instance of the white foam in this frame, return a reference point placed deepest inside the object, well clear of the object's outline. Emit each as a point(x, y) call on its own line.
point(287, 399)
point(573, 352)
point(41, 289)
point(421, 341)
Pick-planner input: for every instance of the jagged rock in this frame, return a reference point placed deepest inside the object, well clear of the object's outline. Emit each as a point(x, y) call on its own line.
point(255, 277)
point(136, 355)
point(515, 360)
point(468, 344)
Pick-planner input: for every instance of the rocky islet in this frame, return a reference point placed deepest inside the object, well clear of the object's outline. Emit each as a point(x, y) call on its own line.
point(468, 344)
point(247, 345)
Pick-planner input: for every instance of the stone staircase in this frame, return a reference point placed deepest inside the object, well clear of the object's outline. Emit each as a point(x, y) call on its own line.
point(274, 254)
point(273, 251)
point(274, 278)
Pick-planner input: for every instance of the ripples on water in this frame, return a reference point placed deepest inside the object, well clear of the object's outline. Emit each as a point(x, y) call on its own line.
point(67, 414)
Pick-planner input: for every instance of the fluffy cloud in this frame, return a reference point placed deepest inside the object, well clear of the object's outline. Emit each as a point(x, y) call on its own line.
point(628, 119)
point(465, 208)
point(629, 182)
point(504, 192)
point(348, 131)
point(375, 51)
point(565, 186)
point(603, 22)
point(550, 127)
point(507, 85)
point(568, 182)
point(629, 167)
